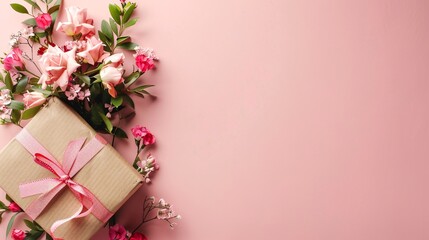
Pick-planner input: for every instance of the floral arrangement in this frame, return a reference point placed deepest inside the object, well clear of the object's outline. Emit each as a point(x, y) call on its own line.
point(86, 72)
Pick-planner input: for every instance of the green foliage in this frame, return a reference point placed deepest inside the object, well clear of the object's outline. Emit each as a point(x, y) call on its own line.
point(19, 8)
point(10, 224)
point(128, 45)
point(30, 22)
point(31, 112)
point(21, 85)
point(33, 4)
point(115, 12)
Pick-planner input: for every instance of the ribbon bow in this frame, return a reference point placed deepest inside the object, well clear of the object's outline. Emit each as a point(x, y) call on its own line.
point(76, 156)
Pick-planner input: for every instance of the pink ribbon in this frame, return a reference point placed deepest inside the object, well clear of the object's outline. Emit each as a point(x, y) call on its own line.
point(76, 156)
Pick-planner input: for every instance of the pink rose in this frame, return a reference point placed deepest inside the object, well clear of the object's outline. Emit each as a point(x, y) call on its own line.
point(144, 63)
point(77, 22)
point(14, 60)
point(33, 99)
point(18, 234)
point(138, 236)
point(94, 51)
point(115, 60)
point(111, 74)
point(14, 207)
point(117, 232)
point(140, 132)
point(57, 67)
point(44, 21)
point(110, 77)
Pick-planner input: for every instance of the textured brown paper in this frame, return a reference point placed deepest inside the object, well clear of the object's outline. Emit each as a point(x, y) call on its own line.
point(108, 176)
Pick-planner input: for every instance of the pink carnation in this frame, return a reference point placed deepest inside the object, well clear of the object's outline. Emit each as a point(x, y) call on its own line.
point(117, 232)
point(140, 132)
point(18, 234)
point(43, 21)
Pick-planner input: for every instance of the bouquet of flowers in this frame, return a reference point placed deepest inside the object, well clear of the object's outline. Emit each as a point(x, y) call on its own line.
point(87, 72)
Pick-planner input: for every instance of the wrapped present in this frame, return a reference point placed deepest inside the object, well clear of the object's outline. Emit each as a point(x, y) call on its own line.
point(64, 175)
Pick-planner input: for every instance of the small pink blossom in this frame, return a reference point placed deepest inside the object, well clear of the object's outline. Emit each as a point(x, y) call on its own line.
point(14, 60)
point(145, 59)
point(147, 166)
point(14, 207)
point(57, 67)
point(77, 23)
point(138, 236)
point(43, 21)
point(117, 232)
point(109, 108)
point(140, 132)
point(94, 51)
point(18, 234)
point(5, 97)
point(33, 99)
point(76, 91)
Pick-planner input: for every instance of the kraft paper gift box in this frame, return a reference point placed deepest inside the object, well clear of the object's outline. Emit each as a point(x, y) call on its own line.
point(107, 175)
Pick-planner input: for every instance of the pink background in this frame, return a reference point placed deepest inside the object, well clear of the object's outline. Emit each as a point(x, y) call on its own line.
point(303, 119)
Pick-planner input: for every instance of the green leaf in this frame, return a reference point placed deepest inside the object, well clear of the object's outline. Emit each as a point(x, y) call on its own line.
point(115, 13)
point(19, 8)
point(48, 237)
point(15, 116)
point(9, 198)
point(130, 23)
point(54, 9)
point(128, 45)
point(41, 34)
point(107, 122)
point(141, 88)
point(33, 4)
point(8, 82)
point(30, 22)
point(132, 78)
point(1, 78)
point(22, 85)
point(107, 30)
point(105, 40)
point(114, 26)
point(45, 92)
point(119, 132)
point(123, 39)
point(16, 105)
point(128, 12)
point(2, 205)
point(117, 101)
point(31, 112)
point(85, 79)
point(10, 224)
point(129, 101)
point(1, 216)
point(30, 224)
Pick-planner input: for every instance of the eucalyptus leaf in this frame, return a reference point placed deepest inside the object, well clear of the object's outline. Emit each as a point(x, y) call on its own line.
point(123, 39)
point(119, 132)
point(29, 224)
point(33, 4)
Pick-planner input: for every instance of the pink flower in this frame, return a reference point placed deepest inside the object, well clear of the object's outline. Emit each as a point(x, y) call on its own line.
point(138, 236)
point(117, 232)
point(140, 132)
point(144, 63)
point(14, 60)
point(14, 207)
point(5, 97)
point(94, 51)
point(77, 22)
point(145, 59)
point(18, 234)
point(43, 21)
point(33, 99)
point(110, 77)
point(75, 91)
point(111, 74)
point(115, 60)
point(57, 67)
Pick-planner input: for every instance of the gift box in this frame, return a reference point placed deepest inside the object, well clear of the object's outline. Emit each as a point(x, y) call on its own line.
point(109, 179)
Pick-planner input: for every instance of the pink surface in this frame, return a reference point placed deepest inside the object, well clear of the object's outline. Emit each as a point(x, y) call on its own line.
point(284, 119)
